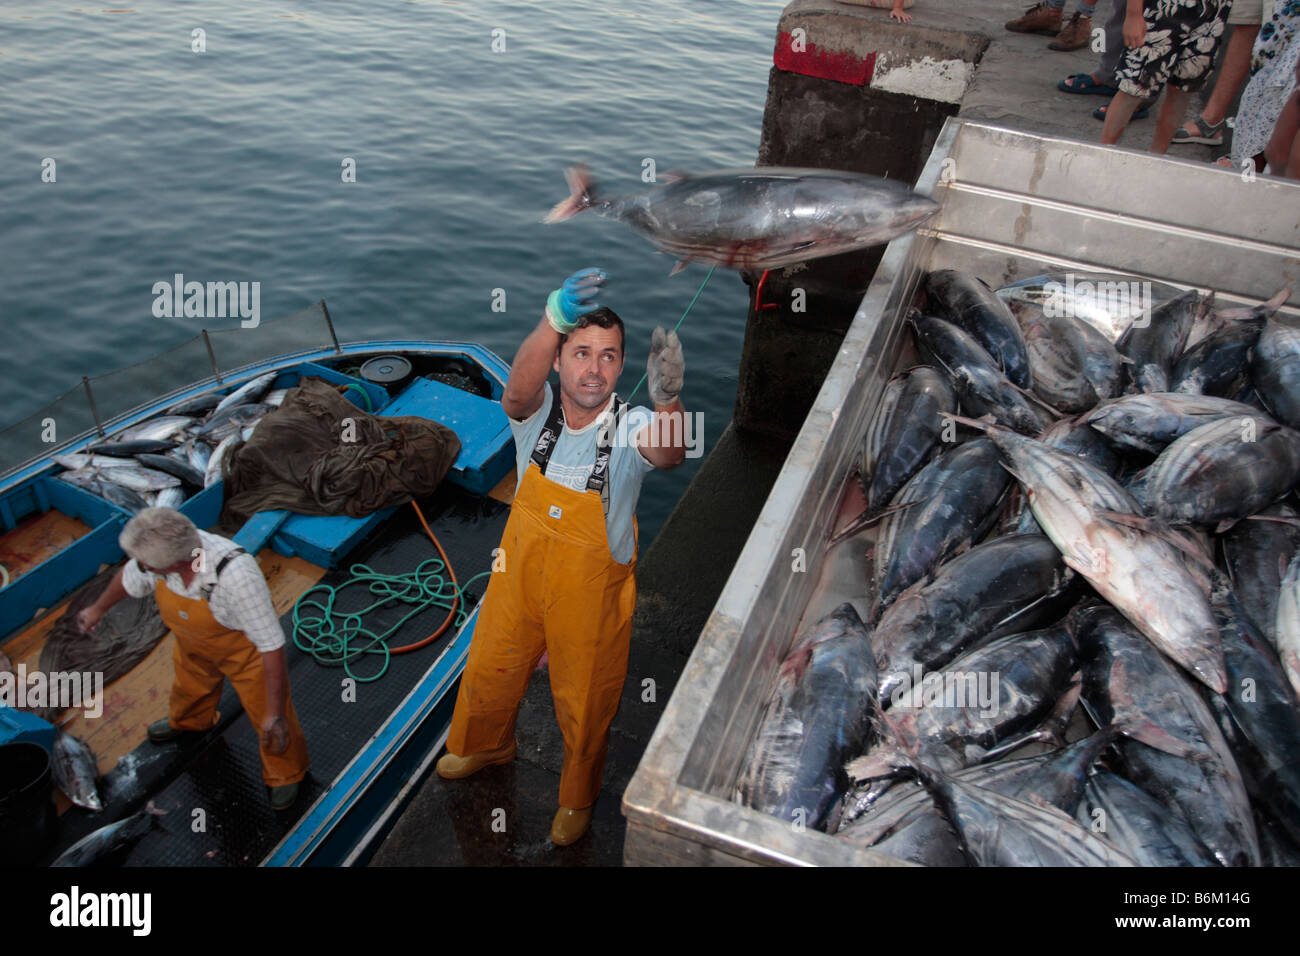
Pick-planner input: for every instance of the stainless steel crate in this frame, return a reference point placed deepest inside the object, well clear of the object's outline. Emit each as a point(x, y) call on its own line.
point(1014, 205)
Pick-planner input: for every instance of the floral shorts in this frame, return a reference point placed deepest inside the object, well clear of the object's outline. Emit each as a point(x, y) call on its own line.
point(1182, 36)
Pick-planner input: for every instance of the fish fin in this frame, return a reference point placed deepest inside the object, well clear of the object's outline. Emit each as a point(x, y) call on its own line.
point(1179, 539)
point(1031, 397)
point(1263, 311)
point(867, 518)
point(679, 266)
point(984, 424)
point(1080, 567)
point(1130, 721)
point(870, 766)
point(1029, 498)
point(674, 176)
point(1059, 719)
point(1294, 522)
point(1014, 743)
point(580, 186)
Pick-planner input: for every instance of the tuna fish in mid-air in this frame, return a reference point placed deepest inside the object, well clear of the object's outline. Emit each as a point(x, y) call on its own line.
point(759, 218)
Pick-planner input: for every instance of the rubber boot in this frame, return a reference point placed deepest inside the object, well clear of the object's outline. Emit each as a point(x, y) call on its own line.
point(452, 767)
point(569, 825)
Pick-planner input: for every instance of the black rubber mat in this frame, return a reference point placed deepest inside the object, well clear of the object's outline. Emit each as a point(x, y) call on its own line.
point(217, 812)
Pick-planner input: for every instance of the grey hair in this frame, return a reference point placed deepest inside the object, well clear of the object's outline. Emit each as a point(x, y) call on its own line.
point(159, 538)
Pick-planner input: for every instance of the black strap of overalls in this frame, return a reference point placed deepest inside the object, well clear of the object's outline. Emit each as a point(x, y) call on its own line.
point(550, 434)
point(221, 566)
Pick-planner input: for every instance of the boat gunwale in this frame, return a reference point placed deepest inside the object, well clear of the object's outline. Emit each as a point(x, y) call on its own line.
point(487, 360)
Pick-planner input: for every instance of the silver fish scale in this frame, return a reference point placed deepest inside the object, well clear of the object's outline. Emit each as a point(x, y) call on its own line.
point(769, 217)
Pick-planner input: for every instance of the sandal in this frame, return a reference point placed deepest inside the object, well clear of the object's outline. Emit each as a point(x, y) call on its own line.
point(1084, 83)
point(1206, 134)
point(1140, 113)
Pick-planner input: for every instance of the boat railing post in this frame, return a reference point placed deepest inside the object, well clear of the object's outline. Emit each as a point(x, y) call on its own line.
point(212, 356)
point(330, 324)
point(94, 412)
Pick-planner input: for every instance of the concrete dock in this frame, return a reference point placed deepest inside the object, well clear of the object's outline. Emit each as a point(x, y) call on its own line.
point(861, 92)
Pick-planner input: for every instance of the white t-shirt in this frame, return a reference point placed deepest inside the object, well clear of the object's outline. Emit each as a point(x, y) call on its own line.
point(240, 601)
point(574, 458)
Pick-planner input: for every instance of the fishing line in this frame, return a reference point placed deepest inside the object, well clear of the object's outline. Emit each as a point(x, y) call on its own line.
point(334, 637)
point(677, 326)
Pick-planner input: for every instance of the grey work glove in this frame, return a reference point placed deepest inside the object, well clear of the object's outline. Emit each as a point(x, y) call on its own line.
point(665, 369)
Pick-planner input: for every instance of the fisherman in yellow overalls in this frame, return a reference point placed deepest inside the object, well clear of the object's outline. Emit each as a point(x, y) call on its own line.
point(568, 587)
point(212, 596)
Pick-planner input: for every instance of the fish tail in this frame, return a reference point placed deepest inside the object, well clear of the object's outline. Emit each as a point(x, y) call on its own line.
point(580, 198)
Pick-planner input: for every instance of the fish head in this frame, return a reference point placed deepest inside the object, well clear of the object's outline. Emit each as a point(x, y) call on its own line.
point(882, 217)
point(590, 360)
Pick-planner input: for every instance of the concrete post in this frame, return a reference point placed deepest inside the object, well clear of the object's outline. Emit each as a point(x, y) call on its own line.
point(849, 89)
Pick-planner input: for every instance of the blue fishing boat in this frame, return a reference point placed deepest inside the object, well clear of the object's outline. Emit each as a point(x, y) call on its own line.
point(375, 711)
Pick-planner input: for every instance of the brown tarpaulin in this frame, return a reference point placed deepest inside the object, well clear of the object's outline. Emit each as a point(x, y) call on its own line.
point(303, 457)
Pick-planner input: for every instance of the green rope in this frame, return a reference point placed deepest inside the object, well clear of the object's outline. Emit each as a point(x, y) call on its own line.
point(365, 396)
point(336, 638)
point(677, 326)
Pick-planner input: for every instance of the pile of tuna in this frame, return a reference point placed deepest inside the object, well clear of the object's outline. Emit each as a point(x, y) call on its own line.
point(1087, 547)
point(161, 462)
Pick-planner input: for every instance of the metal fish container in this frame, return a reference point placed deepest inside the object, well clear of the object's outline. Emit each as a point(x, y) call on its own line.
point(1014, 205)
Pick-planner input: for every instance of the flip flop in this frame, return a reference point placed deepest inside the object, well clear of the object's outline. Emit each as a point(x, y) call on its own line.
point(1143, 113)
point(1084, 83)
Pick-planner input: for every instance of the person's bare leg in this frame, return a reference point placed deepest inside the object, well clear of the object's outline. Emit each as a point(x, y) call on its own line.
point(1118, 113)
point(1171, 111)
point(1236, 64)
point(1283, 149)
